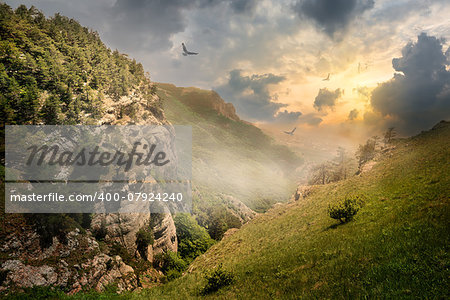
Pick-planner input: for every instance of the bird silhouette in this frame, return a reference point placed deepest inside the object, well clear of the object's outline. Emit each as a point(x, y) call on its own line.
point(186, 52)
point(327, 79)
point(290, 132)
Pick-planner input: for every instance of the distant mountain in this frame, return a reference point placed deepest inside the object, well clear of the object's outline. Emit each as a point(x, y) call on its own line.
point(200, 101)
point(232, 159)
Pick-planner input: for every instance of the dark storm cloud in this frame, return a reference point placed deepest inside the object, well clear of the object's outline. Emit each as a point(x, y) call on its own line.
point(327, 99)
point(353, 114)
point(333, 16)
point(243, 6)
point(251, 97)
point(149, 24)
point(419, 96)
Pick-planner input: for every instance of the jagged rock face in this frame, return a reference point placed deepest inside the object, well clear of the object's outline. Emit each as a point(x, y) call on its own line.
point(225, 109)
point(132, 109)
point(197, 98)
point(30, 265)
point(165, 234)
point(121, 228)
point(106, 270)
point(29, 276)
point(79, 263)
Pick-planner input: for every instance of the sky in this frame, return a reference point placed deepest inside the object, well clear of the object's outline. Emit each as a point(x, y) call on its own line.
point(388, 61)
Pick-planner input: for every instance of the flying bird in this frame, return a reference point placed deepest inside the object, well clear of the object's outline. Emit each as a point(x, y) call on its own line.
point(290, 132)
point(186, 52)
point(327, 79)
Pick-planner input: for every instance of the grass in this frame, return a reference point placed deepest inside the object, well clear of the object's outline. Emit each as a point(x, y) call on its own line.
point(396, 247)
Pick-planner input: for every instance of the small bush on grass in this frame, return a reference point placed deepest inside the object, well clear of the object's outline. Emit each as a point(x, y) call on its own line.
point(217, 279)
point(345, 210)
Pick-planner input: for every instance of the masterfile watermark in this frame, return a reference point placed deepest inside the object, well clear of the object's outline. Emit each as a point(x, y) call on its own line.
point(53, 156)
point(70, 169)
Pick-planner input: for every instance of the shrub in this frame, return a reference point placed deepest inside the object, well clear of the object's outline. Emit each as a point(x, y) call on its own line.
point(51, 225)
point(217, 220)
point(193, 239)
point(345, 210)
point(37, 292)
point(173, 274)
point(144, 237)
point(119, 249)
point(217, 279)
point(169, 261)
point(101, 232)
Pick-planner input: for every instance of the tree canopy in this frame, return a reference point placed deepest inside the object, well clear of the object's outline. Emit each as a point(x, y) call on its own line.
point(55, 71)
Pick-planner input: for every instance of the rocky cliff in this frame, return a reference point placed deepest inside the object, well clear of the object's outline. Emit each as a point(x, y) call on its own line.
point(54, 71)
point(201, 100)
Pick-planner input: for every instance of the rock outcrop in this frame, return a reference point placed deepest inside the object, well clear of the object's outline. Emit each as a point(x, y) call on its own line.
point(132, 109)
point(198, 99)
point(302, 192)
point(225, 109)
point(74, 265)
point(165, 233)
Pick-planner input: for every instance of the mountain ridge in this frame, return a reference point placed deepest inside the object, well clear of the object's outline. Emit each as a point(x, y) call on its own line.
point(206, 98)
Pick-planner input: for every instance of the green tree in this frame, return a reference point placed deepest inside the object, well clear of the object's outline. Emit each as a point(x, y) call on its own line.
point(50, 110)
point(193, 240)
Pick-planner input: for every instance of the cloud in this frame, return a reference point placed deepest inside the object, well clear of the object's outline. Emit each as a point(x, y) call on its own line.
point(243, 6)
point(327, 99)
point(251, 96)
point(362, 91)
point(353, 114)
point(419, 96)
point(311, 119)
point(149, 24)
point(286, 117)
point(333, 16)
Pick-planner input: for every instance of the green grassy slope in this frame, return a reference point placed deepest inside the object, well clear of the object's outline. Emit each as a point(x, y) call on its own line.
point(396, 247)
point(230, 156)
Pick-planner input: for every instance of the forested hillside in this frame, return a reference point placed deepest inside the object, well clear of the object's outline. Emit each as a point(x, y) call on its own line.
point(55, 71)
